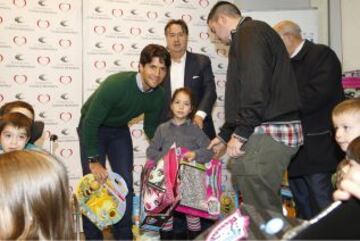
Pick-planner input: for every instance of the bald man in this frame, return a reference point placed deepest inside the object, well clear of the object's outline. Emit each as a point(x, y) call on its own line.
point(318, 74)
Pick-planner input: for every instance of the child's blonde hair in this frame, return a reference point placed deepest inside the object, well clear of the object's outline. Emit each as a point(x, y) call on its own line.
point(350, 106)
point(34, 197)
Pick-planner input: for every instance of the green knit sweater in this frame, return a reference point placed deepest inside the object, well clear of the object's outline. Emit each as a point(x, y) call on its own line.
point(117, 101)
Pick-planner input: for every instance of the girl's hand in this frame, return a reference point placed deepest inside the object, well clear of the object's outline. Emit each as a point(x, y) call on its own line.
point(189, 156)
point(350, 185)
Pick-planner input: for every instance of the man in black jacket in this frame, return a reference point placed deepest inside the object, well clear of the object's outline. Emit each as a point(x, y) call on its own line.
point(190, 70)
point(318, 74)
point(262, 130)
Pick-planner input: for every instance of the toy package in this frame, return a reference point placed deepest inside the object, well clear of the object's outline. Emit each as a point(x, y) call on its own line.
point(104, 204)
point(199, 188)
point(158, 191)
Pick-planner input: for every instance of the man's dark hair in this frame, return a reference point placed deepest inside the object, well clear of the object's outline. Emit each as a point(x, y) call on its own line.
point(7, 107)
point(180, 22)
point(154, 50)
point(223, 7)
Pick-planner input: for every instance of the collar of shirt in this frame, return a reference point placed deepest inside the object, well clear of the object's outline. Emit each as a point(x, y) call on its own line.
point(186, 122)
point(242, 18)
point(297, 50)
point(140, 84)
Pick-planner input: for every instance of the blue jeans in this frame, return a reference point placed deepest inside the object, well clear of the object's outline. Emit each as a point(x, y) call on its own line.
point(312, 193)
point(116, 145)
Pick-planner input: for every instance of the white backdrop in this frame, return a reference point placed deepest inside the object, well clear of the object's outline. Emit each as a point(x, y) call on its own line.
point(55, 53)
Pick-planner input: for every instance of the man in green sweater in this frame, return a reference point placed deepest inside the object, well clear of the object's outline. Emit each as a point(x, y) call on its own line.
point(104, 132)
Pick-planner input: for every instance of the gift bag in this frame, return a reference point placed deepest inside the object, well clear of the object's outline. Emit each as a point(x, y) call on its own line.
point(158, 194)
point(199, 188)
point(104, 204)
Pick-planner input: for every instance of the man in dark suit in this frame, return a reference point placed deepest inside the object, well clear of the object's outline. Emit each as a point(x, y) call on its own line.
point(193, 71)
point(189, 70)
point(318, 74)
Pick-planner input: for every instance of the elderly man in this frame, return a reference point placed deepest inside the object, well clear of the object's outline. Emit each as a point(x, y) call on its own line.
point(318, 74)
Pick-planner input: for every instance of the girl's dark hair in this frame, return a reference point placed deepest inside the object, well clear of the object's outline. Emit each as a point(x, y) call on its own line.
point(7, 107)
point(188, 92)
point(353, 150)
point(152, 51)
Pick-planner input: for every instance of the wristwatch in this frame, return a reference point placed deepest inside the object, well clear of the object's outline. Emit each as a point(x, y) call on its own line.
point(93, 159)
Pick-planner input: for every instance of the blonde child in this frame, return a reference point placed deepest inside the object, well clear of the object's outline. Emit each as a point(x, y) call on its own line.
point(346, 121)
point(34, 197)
point(184, 133)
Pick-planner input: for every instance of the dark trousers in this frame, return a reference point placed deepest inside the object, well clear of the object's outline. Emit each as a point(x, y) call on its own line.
point(116, 145)
point(312, 193)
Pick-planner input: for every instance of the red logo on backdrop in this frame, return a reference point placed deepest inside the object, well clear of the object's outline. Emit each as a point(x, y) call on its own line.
point(117, 12)
point(65, 43)
point(47, 134)
point(100, 64)
point(19, 3)
point(43, 23)
point(19, 40)
point(65, 116)
point(204, 3)
point(137, 133)
point(134, 64)
point(43, 98)
point(20, 79)
point(99, 29)
point(135, 31)
point(66, 152)
point(64, 7)
point(220, 83)
point(221, 52)
point(152, 15)
point(117, 47)
point(1, 98)
point(43, 60)
point(186, 17)
point(204, 35)
point(65, 79)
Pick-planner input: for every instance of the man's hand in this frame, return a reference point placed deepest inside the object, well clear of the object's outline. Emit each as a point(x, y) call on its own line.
point(233, 148)
point(98, 171)
point(197, 120)
point(218, 147)
point(189, 156)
